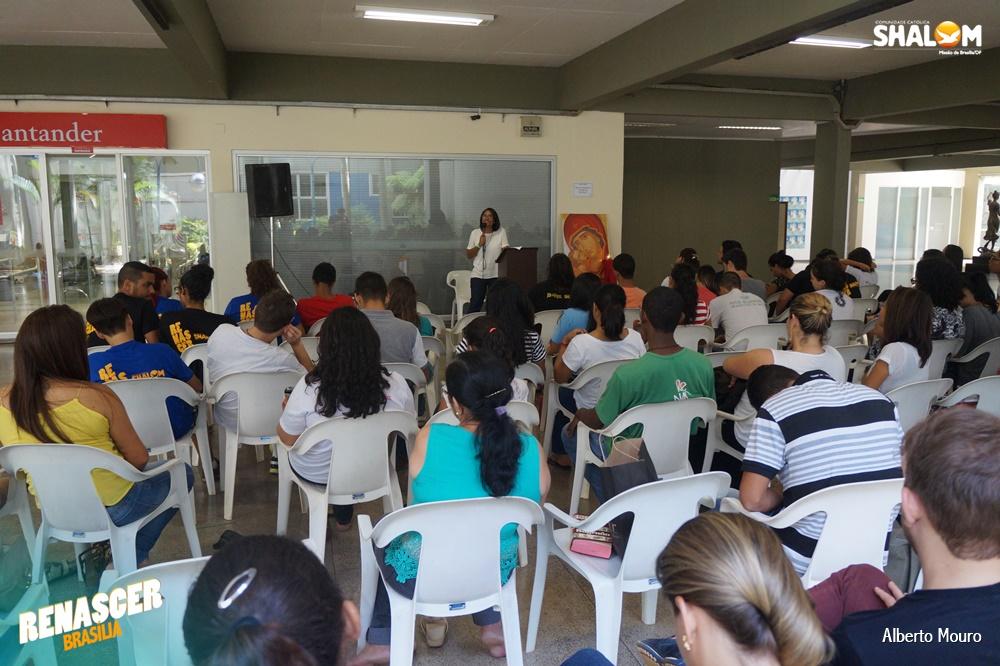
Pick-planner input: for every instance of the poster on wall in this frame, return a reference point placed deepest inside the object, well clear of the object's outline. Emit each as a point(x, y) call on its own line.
point(797, 222)
point(585, 240)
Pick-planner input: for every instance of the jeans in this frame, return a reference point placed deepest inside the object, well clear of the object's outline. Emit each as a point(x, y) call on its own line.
point(139, 502)
point(568, 400)
point(479, 287)
point(380, 629)
point(587, 657)
point(592, 473)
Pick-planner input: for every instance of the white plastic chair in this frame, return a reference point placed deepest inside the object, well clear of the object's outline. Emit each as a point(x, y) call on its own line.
point(198, 352)
point(523, 413)
point(40, 652)
point(460, 283)
point(715, 443)
point(660, 508)
point(97, 348)
point(600, 373)
point(869, 290)
point(459, 570)
point(990, 348)
point(843, 332)
point(314, 330)
point(666, 429)
point(764, 336)
point(437, 322)
point(145, 404)
point(311, 344)
point(436, 354)
point(690, 337)
point(531, 373)
point(422, 308)
point(548, 320)
point(941, 353)
point(864, 307)
point(418, 384)
point(73, 512)
point(914, 401)
point(157, 636)
point(259, 409)
point(854, 355)
point(17, 504)
point(985, 391)
point(858, 517)
point(454, 334)
point(362, 468)
point(718, 358)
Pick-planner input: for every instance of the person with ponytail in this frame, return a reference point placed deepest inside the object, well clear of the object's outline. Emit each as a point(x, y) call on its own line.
point(828, 278)
point(781, 270)
point(267, 600)
point(484, 334)
point(483, 456)
point(682, 280)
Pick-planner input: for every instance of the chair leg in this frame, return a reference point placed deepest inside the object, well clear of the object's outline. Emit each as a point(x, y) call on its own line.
point(205, 449)
point(188, 520)
point(550, 400)
point(317, 523)
point(649, 606)
point(538, 586)
point(230, 474)
point(511, 622)
point(38, 556)
point(574, 498)
point(123, 551)
point(303, 504)
point(608, 600)
point(77, 551)
point(258, 451)
point(404, 618)
point(369, 580)
point(285, 484)
point(522, 547)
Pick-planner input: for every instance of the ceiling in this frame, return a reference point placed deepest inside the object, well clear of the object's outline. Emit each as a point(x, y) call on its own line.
point(664, 126)
point(75, 23)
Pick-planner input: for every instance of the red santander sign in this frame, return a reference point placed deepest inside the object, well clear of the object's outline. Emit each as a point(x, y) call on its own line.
point(83, 131)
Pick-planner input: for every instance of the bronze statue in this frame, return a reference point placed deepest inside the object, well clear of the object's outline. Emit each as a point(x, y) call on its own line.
point(992, 222)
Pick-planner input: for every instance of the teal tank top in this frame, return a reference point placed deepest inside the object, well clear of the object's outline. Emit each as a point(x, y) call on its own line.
point(451, 472)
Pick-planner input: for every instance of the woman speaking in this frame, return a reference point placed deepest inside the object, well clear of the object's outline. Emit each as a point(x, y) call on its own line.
point(485, 245)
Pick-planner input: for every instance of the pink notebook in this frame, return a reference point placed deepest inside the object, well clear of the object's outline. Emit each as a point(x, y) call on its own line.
point(594, 544)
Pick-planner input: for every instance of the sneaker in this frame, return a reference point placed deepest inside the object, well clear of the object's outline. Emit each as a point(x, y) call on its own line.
point(659, 651)
point(274, 465)
point(435, 630)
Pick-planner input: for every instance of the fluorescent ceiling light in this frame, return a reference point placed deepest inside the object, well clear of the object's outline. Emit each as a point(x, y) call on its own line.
point(835, 42)
point(748, 127)
point(644, 124)
point(423, 16)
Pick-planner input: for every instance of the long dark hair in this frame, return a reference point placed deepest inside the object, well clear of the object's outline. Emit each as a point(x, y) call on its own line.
point(709, 278)
point(403, 299)
point(830, 272)
point(560, 271)
point(581, 296)
point(506, 301)
point(349, 372)
point(683, 282)
point(485, 334)
point(938, 278)
point(290, 612)
point(51, 344)
point(908, 316)
point(610, 302)
point(480, 382)
point(496, 219)
point(261, 277)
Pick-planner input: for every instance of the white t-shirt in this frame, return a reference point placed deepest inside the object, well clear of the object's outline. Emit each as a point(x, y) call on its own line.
point(585, 351)
point(519, 390)
point(843, 306)
point(484, 264)
point(904, 366)
point(735, 311)
point(231, 350)
point(300, 413)
point(864, 278)
point(830, 362)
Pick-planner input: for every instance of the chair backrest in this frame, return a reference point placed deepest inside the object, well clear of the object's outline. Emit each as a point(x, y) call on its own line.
point(97, 348)
point(666, 428)
point(460, 544)
point(863, 307)
point(461, 283)
point(60, 476)
point(914, 401)
point(599, 373)
point(145, 404)
point(869, 291)
point(311, 344)
point(631, 316)
point(853, 355)
point(433, 345)
point(689, 336)
point(548, 320)
point(986, 391)
point(437, 322)
point(463, 321)
point(314, 330)
point(941, 351)
point(198, 352)
point(523, 413)
point(157, 636)
point(763, 336)
point(359, 462)
point(718, 358)
point(992, 349)
point(410, 373)
point(843, 332)
point(260, 395)
point(246, 325)
point(531, 373)
point(660, 508)
point(422, 308)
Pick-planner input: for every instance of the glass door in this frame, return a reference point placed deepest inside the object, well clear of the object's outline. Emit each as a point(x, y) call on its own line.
point(23, 282)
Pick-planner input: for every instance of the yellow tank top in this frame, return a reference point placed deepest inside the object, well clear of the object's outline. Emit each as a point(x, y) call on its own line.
point(81, 425)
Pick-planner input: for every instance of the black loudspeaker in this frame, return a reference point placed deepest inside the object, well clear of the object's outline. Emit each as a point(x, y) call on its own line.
point(269, 189)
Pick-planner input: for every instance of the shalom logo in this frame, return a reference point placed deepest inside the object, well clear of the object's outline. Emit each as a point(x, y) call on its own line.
point(946, 36)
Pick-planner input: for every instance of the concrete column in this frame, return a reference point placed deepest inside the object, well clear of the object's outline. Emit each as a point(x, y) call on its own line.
point(831, 185)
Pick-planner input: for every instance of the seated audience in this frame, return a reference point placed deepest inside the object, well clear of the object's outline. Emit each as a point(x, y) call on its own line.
point(735, 261)
point(860, 266)
point(128, 359)
point(767, 381)
point(268, 600)
point(135, 285)
point(483, 456)
point(400, 340)
point(554, 292)
point(816, 434)
point(67, 408)
point(955, 255)
point(664, 373)
point(733, 310)
point(781, 270)
point(688, 256)
point(979, 307)
point(905, 331)
point(262, 279)
point(231, 350)
point(708, 283)
point(401, 299)
point(951, 516)
point(507, 303)
point(348, 380)
point(682, 280)
point(807, 325)
point(828, 278)
point(624, 265)
point(162, 291)
point(484, 334)
point(735, 598)
point(725, 247)
point(193, 325)
point(802, 283)
point(324, 300)
point(578, 313)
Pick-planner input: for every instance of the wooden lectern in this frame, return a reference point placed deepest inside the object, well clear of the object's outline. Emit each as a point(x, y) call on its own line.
point(519, 265)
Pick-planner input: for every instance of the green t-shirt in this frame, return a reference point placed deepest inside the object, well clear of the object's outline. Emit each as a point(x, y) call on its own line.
point(655, 378)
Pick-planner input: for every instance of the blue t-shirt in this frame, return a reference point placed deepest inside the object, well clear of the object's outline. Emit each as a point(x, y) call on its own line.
point(241, 308)
point(137, 360)
point(571, 318)
point(164, 305)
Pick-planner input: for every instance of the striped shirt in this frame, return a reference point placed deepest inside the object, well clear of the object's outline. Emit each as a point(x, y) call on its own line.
point(820, 433)
point(700, 313)
point(533, 348)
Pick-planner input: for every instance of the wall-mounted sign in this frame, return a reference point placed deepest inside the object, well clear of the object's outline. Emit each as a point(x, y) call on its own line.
point(531, 125)
point(83, 130)
point(585, 189)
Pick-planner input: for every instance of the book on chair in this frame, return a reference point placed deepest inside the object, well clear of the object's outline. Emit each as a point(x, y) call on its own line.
point(597, 543)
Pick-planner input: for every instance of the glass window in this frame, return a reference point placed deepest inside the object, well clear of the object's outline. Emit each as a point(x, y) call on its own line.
point(23, 280)
point(939, 218)
point(885, 229)
point(906, 223)
point(400, 215)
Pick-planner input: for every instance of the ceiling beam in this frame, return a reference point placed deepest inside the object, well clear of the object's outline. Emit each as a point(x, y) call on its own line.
point(944, 82)
point(693, 35)
point(773, 84)
point(898, 145)
point(709, 104)
point(976, 116)
point(188, 30)
point(970, 161)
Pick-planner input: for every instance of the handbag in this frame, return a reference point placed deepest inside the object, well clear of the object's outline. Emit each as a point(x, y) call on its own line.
point(627, 466)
